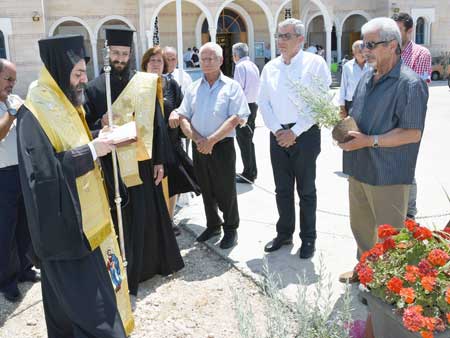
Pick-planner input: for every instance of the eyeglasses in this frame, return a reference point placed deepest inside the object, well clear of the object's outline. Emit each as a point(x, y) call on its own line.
point(285, 36)
point(10, 79)
point(372, 44)
point(203, 60)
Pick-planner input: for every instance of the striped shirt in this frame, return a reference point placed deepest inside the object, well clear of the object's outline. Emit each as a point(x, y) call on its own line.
point(397, 100)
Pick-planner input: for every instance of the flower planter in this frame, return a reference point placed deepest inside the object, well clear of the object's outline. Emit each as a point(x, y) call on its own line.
point(387, 324)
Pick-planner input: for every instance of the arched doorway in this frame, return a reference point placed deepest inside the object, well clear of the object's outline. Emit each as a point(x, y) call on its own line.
point(73, 27)
point(2, 46)
point(420, 31)
point(231, 28)
point(317, 36)
point(351, 31)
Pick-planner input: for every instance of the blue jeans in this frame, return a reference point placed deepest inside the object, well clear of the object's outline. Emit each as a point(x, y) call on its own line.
point(15, 242)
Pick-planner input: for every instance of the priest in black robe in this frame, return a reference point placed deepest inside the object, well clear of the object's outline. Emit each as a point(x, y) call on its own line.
point(150, 244)
point(61, 183)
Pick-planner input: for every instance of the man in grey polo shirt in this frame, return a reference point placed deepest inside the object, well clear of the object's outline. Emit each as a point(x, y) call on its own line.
point(389, 106)
point(211, 109)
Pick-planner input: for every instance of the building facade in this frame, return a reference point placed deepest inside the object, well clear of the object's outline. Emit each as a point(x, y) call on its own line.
point(332, 24)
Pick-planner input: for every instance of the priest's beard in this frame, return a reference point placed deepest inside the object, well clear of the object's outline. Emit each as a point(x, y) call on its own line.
point(75, 94)
point(122, 73)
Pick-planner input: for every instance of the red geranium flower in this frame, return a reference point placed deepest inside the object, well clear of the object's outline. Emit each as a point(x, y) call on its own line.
point(426, 269)
point(365, 274)
point(448, 316)
point(408, 294)
point(428, 282)
point(426, 334)
point(422, 233)
point(438, 257)
point(410, 224)
point(412, 272)
point(395, 284)
point(386, 230)
point(388, 243)
point(413, 319)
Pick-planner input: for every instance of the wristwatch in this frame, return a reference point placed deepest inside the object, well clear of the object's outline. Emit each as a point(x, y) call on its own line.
point(375, 141)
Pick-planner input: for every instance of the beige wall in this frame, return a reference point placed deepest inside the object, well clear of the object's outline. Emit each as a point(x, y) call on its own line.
point(25, 33)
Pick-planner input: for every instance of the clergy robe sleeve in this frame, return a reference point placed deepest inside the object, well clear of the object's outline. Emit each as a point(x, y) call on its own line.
point(50, 192)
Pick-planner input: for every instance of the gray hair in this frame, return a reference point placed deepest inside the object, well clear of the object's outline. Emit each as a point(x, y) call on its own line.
point(357, 45)
point(299, 27)
point(386, 28)
point(170, 49)
point(240, 49)
point(213, 46)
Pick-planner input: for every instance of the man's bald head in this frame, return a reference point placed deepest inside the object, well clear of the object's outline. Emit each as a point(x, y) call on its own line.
point(7, 78)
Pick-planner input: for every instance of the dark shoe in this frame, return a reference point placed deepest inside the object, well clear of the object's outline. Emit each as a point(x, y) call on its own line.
point(229, 239)
point(277, 243)
point(349, 277)
point(244, 180)
point(176, 229)
point(307, 250)
point(30, 276)
point(12, 294)
point(209, 233)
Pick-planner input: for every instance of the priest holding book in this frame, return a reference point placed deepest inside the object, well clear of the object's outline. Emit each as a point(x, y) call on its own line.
point(150, 244)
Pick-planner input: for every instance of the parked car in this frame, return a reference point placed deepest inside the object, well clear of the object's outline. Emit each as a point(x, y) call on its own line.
point(437, 70)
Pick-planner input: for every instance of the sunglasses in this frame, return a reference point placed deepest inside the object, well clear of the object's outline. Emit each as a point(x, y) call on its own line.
point(372, 45)
point(285, 37)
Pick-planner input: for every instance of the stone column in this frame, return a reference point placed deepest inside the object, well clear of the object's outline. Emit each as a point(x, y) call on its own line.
point(339, 45)
point(180, 41)
point(95, 56)
point(212, 33)
point(273, 42)
point(328, 45)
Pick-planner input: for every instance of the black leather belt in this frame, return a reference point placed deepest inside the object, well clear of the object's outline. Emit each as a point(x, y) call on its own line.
point(288, 125)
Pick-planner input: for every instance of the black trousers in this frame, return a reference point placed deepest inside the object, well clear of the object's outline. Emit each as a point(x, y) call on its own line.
point(216, 174)
point(15, 242)
point(244, 138)
point(296, 164)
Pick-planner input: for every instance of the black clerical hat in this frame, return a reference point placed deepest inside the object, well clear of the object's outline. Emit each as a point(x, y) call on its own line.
point(119, 36)
point(59, 54)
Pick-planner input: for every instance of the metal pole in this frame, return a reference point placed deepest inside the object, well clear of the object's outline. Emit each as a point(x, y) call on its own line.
point(117, 198)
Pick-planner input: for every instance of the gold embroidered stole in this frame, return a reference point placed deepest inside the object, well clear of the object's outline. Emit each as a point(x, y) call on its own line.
point(66, 128)
point(136, 103)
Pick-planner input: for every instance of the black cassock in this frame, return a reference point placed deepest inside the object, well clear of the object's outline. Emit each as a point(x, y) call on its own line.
point(150, 244)
point(77, 292)
point(181, 172)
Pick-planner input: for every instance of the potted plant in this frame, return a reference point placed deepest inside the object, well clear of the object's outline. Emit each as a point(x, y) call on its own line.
point(407, 275)
point(320, 101)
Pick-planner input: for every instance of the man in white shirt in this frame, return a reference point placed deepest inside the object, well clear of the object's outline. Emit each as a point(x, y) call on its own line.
point(295, 136)
point(351, 73)
point(15, 242)
point(170, 57)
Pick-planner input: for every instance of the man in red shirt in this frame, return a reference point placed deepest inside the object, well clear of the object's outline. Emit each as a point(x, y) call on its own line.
point(418, 58)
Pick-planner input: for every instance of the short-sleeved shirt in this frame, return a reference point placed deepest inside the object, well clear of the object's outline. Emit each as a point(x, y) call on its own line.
point(8, 145)
point(208, 107)
point(418, 58)
point(397, 100)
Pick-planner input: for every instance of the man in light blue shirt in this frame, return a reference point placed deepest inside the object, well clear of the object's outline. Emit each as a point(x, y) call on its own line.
point(351, 74)
point(211, 109)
